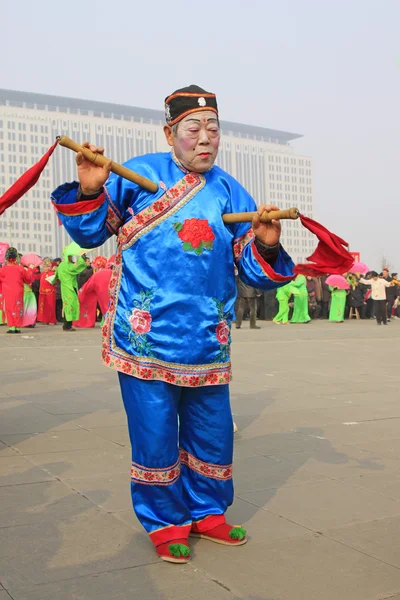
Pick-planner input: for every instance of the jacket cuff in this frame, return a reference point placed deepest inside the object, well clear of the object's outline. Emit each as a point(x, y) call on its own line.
point(268, 253)
point(81, 196)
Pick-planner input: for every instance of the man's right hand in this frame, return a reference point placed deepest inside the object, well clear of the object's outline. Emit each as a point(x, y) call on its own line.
point(92, 177)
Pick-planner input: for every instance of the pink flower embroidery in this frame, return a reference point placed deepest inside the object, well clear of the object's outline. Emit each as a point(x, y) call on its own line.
point(222, 332)
point(140, 321)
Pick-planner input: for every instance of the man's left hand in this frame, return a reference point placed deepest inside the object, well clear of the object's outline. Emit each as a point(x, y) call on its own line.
point(267, 233)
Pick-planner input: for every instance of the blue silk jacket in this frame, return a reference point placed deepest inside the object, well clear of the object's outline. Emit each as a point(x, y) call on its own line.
point(173, 287)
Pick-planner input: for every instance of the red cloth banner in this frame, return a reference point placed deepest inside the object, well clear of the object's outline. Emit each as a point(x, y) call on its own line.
point(329, 257)
point(25, 182)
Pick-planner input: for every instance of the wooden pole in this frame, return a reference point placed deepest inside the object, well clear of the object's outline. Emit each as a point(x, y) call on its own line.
point(99, 159)
point(266, 217)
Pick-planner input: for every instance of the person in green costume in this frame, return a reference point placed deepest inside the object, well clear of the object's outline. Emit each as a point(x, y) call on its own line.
point(338, 303)
point(66, 273)
point(300, 293)
point(282, 295)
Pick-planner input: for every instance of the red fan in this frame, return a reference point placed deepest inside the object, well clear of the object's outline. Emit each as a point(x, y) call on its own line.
point(31, 259)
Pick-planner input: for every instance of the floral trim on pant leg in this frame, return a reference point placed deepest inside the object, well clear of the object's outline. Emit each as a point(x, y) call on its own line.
point(221, 472)
point(148, 476)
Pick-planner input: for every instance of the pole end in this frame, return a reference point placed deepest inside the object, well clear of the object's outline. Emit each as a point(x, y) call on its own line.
point(294, 213)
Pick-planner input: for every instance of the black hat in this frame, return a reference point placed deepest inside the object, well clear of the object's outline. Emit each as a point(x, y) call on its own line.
point(188, 100)
point(11, 253)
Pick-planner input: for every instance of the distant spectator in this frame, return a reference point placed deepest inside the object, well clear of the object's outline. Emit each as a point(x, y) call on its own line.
point(247, 299)
point(391, 293)
point(356, 297)
point(86, 274)
point(378, 286)
point(326, 297)
point(313, 307)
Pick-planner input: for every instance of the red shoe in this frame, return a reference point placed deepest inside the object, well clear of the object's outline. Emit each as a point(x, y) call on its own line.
point(216, 529)
point(176, 551)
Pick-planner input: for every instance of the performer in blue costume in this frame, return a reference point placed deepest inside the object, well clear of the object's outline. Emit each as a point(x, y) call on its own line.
point(167, 330)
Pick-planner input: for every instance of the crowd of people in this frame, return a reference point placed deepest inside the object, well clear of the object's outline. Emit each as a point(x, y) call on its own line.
point(369, 296)
point(72, 291)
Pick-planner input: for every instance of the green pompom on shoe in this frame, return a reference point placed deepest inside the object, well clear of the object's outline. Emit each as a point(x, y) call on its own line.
point(237, 533)
point(179, 550)
point(229, 535)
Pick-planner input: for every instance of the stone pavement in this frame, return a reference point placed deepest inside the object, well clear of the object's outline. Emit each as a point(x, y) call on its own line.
point(317, 472)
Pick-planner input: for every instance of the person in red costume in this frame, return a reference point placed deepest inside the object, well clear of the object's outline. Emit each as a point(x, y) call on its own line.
point(93, 292)
point(47, 295)
point(13, 276)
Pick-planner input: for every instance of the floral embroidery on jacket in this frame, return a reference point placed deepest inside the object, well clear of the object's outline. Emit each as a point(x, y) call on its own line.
point(160, 208)
point(196, 235)
point(223, 332)
point(240, 243)
point(145, 367)
point(114, 218)
point(138, 324)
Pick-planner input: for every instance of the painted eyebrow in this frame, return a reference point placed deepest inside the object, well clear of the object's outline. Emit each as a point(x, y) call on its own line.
point(211, 119)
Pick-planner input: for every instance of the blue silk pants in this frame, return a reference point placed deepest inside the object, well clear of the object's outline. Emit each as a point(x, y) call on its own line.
point(181, 469)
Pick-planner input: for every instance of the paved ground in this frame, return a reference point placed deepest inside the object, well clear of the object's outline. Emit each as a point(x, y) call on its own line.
point(317, 472)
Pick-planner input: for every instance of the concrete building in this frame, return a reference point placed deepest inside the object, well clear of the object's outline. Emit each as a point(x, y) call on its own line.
point(261, 159)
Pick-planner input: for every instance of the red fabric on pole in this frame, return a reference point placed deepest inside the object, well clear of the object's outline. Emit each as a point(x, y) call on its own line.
point(25, 182)
point(330, 256)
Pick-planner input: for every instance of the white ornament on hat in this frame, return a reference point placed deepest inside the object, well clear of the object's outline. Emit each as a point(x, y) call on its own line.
point(167, 113)
point(202, 101)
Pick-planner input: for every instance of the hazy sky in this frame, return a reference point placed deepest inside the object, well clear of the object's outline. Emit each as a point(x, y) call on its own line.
point(328, 70)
